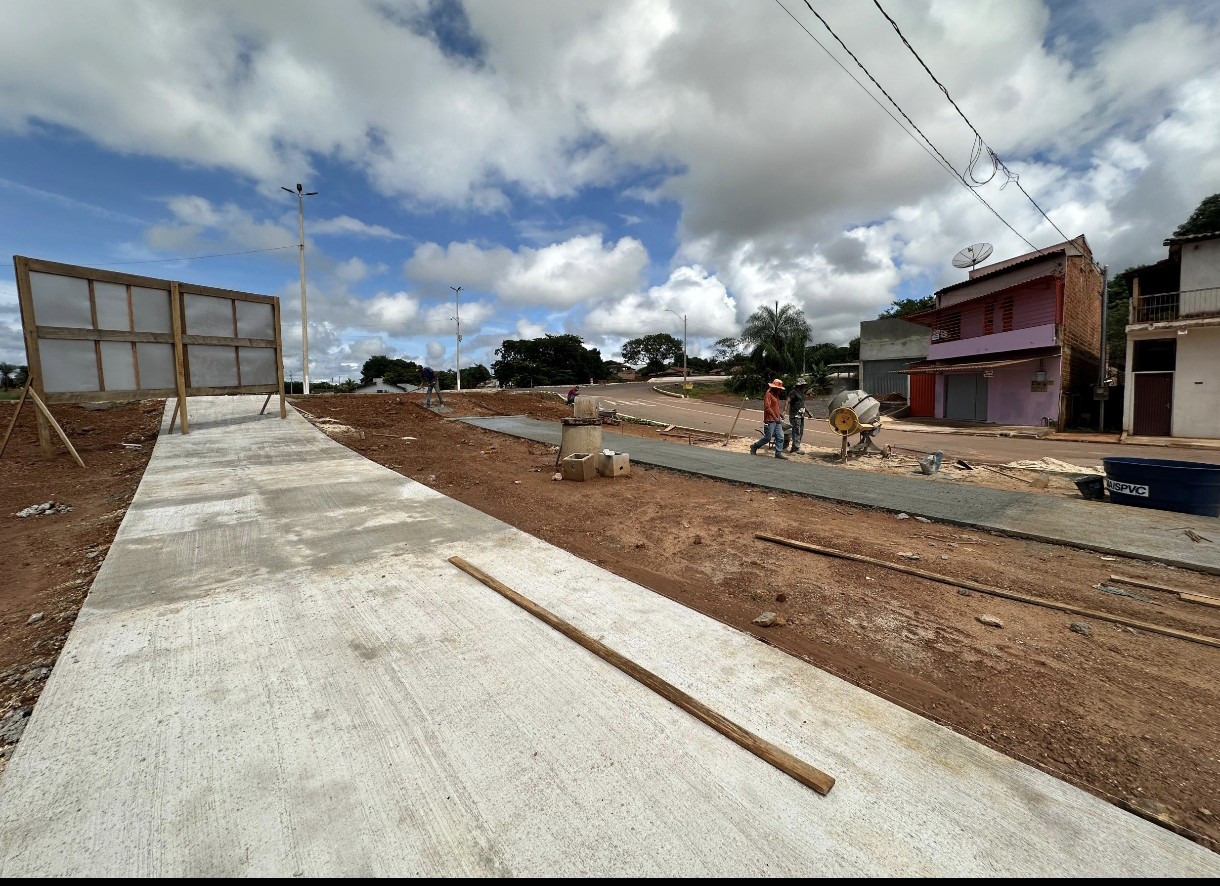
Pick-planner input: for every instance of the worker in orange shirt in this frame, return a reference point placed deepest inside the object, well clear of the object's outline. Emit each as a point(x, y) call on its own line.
point(773, 422)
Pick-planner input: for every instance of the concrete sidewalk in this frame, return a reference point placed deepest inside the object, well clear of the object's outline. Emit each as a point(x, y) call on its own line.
point(277, 673)
point(1099, 526)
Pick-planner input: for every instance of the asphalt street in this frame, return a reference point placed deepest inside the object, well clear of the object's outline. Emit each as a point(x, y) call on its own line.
point(640, 400)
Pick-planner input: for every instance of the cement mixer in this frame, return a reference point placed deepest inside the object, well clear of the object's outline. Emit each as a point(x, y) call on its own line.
point(856, 412)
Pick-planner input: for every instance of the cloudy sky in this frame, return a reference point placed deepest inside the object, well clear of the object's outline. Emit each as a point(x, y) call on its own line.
point(587, 167)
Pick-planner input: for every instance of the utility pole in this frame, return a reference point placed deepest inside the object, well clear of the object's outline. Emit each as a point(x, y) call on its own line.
point(685, 374)
point(301, 195)
point(457, 303)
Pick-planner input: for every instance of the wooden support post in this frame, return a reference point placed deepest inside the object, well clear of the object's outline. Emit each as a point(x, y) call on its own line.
point(173, 417)
point(279, 358)
point(29, 323)
point(50, 418)
point(785, 762)
point(265, 402)
point(16, 412)
point(177, 321)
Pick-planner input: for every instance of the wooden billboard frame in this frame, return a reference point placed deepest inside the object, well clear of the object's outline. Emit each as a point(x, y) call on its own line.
point(177, 337)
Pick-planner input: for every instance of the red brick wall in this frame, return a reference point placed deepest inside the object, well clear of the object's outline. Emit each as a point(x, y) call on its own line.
point(1080, 335)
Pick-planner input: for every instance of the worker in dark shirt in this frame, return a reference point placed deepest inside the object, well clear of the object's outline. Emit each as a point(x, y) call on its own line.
point(797, 413)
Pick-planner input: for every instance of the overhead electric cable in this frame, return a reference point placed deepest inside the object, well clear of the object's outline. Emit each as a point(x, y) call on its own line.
point(152, 261)
point(938, 156)
point(980, 143)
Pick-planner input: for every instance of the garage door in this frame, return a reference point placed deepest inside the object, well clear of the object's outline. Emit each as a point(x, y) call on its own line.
point(966, 397)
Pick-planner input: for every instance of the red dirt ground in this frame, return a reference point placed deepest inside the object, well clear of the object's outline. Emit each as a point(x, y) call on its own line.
point(47, 563)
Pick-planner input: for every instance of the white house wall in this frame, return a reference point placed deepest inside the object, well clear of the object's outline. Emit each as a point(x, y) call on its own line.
point(1200, 265)
point(1196, 381)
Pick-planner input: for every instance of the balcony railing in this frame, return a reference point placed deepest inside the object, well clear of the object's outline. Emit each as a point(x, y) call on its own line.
point(1165, 306)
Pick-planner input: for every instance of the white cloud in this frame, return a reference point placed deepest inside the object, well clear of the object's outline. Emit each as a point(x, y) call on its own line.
point(559, 275)
point(345, 225)
point(690, 291)
point(393, 310)
point(789, 182)
point(436, 351)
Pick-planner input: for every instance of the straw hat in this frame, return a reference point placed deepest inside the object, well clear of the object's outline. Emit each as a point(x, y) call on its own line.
point(776, 384)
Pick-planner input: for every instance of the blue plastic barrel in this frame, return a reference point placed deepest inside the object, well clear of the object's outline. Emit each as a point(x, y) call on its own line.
point(1184, 486)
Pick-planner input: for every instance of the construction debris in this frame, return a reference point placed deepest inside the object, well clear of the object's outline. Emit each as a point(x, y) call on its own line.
point(990, 620)
point(1052, 466)
point(44, 510)
point(1120, 592)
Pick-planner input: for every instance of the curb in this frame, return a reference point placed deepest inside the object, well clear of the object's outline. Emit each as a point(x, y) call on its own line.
point(669, 394)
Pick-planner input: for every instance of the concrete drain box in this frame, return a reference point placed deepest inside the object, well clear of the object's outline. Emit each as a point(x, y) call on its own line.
point(614, 464)
point(579, 466)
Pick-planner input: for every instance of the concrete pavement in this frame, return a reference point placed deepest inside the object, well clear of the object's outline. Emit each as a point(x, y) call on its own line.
point(1099, 526)
point(276, 673)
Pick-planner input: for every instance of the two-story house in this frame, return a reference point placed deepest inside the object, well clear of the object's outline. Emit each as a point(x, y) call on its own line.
point(1173, 343)
point(1016, 343)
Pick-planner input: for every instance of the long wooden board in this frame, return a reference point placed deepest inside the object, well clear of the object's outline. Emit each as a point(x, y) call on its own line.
point(790, 765)
point(995, 592)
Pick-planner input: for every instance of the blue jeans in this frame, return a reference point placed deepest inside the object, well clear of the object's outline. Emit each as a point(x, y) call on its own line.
point(434, 386)
point(773, 431)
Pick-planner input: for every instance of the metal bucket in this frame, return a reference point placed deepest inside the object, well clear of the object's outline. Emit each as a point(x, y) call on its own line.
point(1183, 486)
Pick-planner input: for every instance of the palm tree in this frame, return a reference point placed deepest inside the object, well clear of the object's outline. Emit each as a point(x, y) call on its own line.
point(6, 375)
point(776, 338)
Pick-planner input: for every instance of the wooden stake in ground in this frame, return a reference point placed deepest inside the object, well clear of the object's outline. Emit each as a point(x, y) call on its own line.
point(729, 435)
point(785, 762)
point(995, 592)
point(16, 412)
point(54, 424)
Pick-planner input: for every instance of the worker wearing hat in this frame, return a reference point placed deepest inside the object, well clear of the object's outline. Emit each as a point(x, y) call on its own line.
point(773, 421)
point(797, 413)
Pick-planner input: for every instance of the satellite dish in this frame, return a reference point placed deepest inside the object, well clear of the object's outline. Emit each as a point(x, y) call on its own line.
point(972, 255)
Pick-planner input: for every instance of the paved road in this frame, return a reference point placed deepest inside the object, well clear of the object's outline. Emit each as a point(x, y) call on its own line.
point(640, 400)
point(278, 674)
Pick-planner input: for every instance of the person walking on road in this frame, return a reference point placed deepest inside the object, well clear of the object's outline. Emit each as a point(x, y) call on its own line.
point(797, 413)
point(432, 382)
point(773, 421)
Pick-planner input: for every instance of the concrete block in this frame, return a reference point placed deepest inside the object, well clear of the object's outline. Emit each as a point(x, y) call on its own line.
point(585, 407)
point(579, 466)
point(617, 464)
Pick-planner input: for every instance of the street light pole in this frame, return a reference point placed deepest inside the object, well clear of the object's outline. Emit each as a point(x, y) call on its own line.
point(457, 302)
point(685, 374)
point(301, 195)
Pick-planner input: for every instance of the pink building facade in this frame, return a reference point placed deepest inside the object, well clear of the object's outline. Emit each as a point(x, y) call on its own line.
point(1004, 342)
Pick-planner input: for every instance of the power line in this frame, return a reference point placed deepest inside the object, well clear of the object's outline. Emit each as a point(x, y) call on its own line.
point(949, 167)
point(151, 261)
point(997, 163)
point(944, 164)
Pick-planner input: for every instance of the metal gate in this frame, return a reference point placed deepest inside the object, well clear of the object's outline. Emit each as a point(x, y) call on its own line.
point(966, 397)
point(884, 377)
point(923, 395)
point(1153, 404)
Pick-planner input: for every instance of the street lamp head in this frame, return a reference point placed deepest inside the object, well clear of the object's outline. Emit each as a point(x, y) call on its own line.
point(299, 188)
